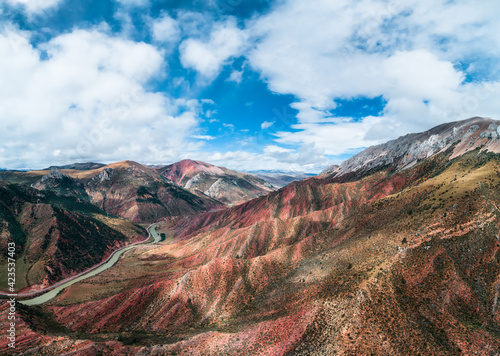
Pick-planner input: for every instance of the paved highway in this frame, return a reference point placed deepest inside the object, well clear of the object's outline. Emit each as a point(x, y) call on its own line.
point(44, 295)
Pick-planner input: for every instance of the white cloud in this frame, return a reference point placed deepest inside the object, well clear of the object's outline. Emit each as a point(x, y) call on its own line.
point(208, 101)
point(266, 125)
point(307, 155)
point(194, 24)
point(87, 100)
point(133, 3)
point(307, 159)
point(207, 56)
point(418, 75)
point(203, 137)
point(35, 6)
point(409, 53)
point(210, 113)
point(166, 29)
point(276, 149)
point(333, 139)
point(236, 76)
point(89, 95)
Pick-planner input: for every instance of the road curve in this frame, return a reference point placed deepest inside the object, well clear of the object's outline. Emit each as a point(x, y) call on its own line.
point(50, 292)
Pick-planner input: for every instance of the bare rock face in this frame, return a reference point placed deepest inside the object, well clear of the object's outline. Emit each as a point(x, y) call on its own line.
point(61, 183)
point(105, 174)
point(403, 263)
point(138, 193)
point(226, 190)
point(222, 184)
point(406, 151)
point(330, 169)
point(54, 174)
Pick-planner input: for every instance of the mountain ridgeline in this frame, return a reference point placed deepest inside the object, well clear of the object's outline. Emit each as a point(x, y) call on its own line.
point(394, 252)
point(227, 186)
point(125, 189)
point(145, 194)
point(407, 151)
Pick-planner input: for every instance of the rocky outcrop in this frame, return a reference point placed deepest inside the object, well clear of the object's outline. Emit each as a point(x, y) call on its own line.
point(222, 184)
point(61, 183)
point(406, 151)
point(126, 189)
point(402, 263)
point(138, 193)
point(330, 169)
point(103, 175)
point(54, 174)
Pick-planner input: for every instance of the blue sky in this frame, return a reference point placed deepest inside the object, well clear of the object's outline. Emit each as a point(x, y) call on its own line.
point(288, 84)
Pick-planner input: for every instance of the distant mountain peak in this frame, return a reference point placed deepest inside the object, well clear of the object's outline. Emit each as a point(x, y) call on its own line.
point(124, 164)
point(225, 185)
point(78, 166)
point(406, 151)
point(177, 172)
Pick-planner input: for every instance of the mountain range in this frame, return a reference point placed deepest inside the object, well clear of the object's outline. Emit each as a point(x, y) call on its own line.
point(146, 194)
point(227, 186)
point(126, 189)
point(393, 252)
point(406, 151)
point(280, 178)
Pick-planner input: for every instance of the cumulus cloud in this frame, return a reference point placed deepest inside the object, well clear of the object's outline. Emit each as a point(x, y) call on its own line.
point(166, 29)
point(266, 125)
point(412, 54)
point(85, 98)
point(236, 76)
point(307, 155)
point(86, 90)
point(334, 139)
point(35, 6)
point(207, 56)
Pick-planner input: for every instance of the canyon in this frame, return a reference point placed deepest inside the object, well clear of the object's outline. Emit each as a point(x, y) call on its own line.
point(393, 252)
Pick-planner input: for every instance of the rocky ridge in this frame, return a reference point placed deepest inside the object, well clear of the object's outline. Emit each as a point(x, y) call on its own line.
point(392, 262)
point(406, 151)
point(126, 189)
point(222, 184)
point(78, 166)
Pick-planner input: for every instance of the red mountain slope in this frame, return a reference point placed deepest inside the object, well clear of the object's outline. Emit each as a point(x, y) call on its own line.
point(227, 186)
point(386, 262)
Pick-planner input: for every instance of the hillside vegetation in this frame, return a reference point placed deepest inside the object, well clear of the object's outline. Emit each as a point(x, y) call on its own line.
point(385, 263)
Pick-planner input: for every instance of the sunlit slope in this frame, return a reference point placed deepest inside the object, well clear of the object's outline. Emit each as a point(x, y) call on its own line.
point(224, 185)
point(402, 263)
point(55, 236)
point(126, 189)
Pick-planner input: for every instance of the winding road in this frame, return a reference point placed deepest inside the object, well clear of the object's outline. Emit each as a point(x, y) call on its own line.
point(46, 294)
